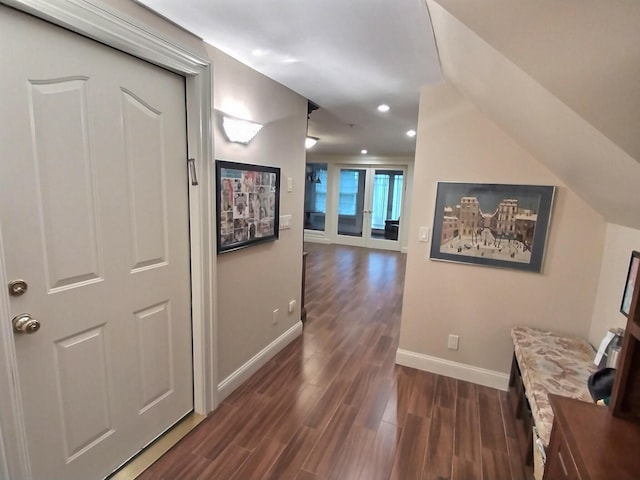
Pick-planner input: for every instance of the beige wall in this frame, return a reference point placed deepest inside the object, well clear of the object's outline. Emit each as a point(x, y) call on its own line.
point(458, 143)
point(619, 243)
point(253, 282)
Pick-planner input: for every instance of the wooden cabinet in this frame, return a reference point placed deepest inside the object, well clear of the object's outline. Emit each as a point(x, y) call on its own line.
point(625, 399)
point(303, 308)
point(595, 442)
point(587, 442)
point(520, 407)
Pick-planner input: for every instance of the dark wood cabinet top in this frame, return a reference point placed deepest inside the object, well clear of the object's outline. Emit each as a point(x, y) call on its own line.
point(602, 446)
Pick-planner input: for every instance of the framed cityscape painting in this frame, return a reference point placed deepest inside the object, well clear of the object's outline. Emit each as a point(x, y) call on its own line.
point(496, 225)
point(248, 204)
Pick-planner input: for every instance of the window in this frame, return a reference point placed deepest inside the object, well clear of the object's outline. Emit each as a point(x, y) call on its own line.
point(320, 200)
point(387, 197)
point(396, 203)
point(348, 196)
point(315, 196)
point(380, 200)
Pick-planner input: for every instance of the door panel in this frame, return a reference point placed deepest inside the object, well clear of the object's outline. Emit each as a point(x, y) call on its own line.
point(386, 206)
point(81, 367)
point(154, 350)
point(143, 145)
point(60, 133)
point(94, 214)
point(351, 201)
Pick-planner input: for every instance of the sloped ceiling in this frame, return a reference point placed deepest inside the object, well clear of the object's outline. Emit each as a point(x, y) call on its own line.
point(563, 78)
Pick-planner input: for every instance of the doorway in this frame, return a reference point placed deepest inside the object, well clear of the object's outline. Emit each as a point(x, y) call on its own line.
point(101, 246)
point(368, 205)
point(105, 25)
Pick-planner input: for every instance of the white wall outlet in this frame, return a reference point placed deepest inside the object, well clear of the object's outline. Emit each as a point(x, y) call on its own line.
point(452, 343)
point(275, 316)
point(292, 306)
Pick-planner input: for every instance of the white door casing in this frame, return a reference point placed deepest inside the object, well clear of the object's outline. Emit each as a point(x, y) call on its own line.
point(14, 460)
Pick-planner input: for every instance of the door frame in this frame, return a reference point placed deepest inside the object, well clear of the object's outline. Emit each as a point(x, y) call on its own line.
point(366, 240)
point(107, 25)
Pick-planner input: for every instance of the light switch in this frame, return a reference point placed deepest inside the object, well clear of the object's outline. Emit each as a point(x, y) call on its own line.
point(285, 222)
point(425, 233)
point(289, 184)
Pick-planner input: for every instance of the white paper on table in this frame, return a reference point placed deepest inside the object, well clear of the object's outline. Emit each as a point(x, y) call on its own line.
point(603, 347)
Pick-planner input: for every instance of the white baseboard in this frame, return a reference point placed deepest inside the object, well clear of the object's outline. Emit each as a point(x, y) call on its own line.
point(233, 381)
point(313, 238)
point(460, 371)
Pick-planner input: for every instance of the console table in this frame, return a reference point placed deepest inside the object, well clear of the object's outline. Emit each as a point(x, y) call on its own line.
point(587, 442)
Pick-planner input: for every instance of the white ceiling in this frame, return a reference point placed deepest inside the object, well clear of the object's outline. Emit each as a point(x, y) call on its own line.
point(346, 56)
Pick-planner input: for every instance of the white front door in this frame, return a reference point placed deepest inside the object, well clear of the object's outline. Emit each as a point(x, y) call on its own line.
point(94, 215)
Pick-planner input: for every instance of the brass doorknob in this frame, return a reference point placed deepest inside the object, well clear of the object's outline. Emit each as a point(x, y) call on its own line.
point(25, 323)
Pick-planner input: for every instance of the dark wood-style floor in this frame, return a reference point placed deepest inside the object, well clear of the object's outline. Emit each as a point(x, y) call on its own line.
point(333, 404)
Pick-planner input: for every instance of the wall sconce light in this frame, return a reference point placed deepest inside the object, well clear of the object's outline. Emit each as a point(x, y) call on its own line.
point(310, 142)
point(238, 130)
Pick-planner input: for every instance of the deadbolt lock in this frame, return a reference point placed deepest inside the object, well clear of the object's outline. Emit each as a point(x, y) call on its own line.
point(17, 288)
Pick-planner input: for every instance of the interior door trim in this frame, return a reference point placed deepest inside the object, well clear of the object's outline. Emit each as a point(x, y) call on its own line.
point(103, 23)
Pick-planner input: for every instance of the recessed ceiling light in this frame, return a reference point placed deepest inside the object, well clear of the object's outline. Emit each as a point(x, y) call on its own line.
point(364, 151)
point(411, 133)
point(384, 108)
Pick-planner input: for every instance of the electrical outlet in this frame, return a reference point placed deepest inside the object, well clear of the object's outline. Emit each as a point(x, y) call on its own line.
point(275, 316)
point(452, 343)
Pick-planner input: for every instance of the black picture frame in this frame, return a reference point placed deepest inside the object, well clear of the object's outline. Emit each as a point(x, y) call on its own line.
point(247, 206)
point(495, 225)
point(629, 284)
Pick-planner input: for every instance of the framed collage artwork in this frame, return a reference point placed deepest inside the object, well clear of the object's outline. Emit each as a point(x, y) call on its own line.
point(248, 204)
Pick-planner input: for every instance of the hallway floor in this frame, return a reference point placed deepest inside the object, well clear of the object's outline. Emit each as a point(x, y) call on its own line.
point(333, 404)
